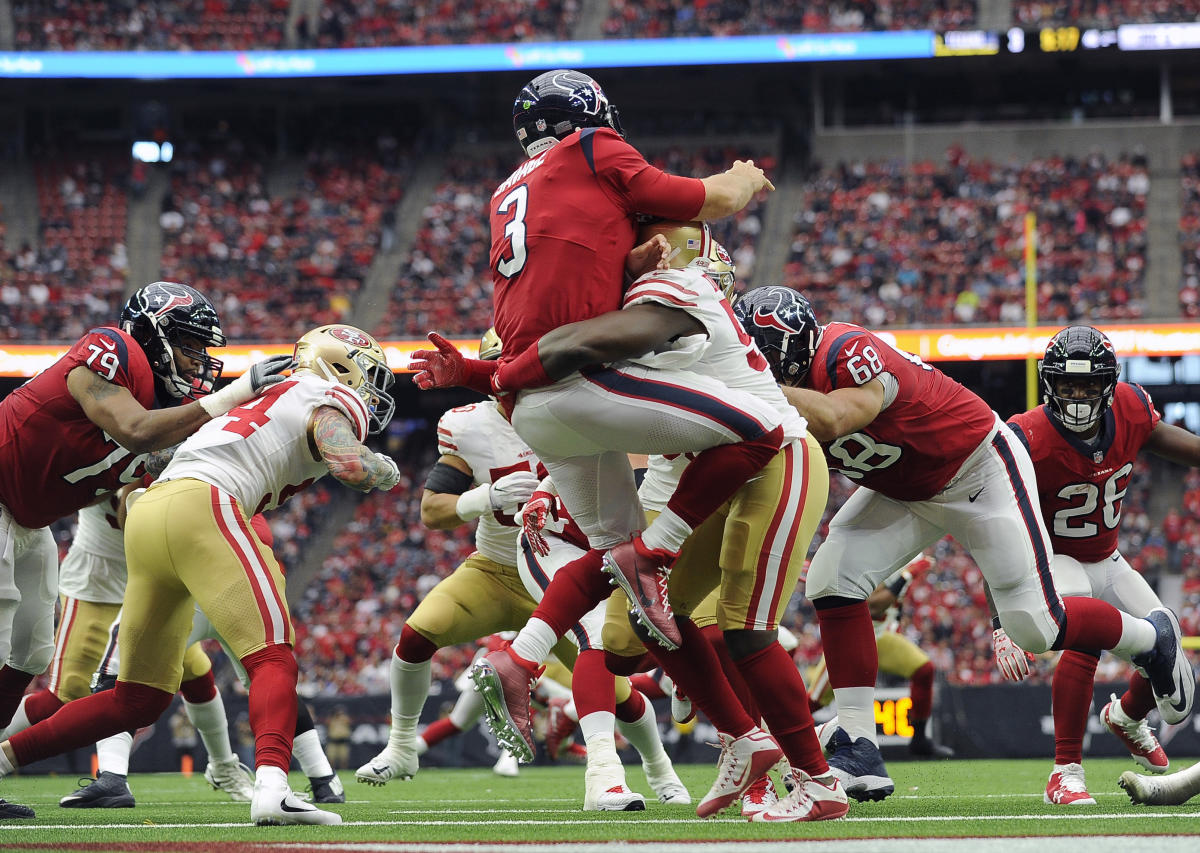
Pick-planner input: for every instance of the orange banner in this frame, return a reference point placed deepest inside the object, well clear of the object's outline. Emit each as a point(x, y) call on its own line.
point(943, 344)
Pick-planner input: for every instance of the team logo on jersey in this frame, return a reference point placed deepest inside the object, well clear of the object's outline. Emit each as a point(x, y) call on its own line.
point(770, 320)
point(162, 299)
point(349, 336)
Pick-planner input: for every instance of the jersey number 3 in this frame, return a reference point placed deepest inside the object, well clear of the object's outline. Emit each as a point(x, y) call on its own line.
point(514, 230)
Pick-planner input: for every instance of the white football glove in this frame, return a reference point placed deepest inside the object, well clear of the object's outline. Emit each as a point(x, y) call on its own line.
point(505, 495)
point(389, 480)
point(1012, 660)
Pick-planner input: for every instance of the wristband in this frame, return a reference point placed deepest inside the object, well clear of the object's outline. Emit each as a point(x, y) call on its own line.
point(219, 402)
point(472, 504)
point(479, 375)
point(523, 372)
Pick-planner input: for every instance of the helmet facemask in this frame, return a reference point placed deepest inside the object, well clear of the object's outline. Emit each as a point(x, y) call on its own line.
point(1079, 376)
point(164, 317)
point(351, 357)
point(784, 328)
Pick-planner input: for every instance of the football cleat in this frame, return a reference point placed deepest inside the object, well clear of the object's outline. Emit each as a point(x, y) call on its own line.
point(1173, 790)
point(106, 791)
point(859, 767)
point(809, 799)
point(232, 777)
point(743, 760)
point(759, 797)
point(505, 681)
point(9, 811)
point(1067, 787)
point(559, 728)
point(825, 734)
point(274, 804)
point(666, 784)
point(605, 789)
point(1143, 746)
point(644, 579)
point(326, 789)
point(682, 709)
point(1168, 669)
point(506, 764)
point(391, 763)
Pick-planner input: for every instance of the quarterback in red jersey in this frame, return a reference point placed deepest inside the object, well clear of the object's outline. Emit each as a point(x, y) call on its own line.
point(1083, 443)
point(961, 471)
point(82, 428)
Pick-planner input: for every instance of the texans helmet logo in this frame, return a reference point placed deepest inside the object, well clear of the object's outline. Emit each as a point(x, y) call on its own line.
point(349, 336)
point(164, 299)
point(770, 320)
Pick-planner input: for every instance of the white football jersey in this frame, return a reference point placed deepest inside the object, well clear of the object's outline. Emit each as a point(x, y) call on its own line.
point(480, 436)
point(727, 354)
point(260, 452)
point(94, 568)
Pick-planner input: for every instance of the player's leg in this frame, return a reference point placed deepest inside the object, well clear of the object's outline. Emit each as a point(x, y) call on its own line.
point(28, 591)
point(900, 656)
point(1174, 789)
point(479, 598)
point(205, 709)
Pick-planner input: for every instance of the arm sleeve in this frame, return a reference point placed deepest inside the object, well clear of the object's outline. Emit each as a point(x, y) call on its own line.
point(643, 188)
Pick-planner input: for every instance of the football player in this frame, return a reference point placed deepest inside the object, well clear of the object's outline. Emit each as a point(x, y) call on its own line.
point(1084, 442)
point(1174, 789)
point(188, 541)
point(485, 472)
point(930, 458)
point(562, 230)
point(82, 428)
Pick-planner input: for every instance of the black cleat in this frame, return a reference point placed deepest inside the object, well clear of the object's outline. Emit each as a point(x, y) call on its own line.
point(106, 791)
point(327, 789)
point(10, 811)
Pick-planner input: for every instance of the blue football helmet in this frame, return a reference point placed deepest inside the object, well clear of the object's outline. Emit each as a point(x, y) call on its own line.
point(556, 103)
point(784, 327)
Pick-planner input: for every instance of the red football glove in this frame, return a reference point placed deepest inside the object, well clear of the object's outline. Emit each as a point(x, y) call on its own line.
point(1012, 661)
point(445, 367)
point(539, 509)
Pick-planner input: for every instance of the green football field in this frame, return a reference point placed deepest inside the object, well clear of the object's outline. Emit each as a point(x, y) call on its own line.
point(996, 804)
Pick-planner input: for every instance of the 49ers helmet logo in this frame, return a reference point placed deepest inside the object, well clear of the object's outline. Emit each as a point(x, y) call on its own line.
point(770, 320)
point(161, 298)
point(350, 336)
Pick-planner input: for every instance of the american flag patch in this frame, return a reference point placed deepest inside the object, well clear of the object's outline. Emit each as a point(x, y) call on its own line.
point(693, 243)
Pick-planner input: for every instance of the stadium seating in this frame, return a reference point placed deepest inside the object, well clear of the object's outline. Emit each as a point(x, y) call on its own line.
point(1189, 236)
point(1103, 13)
point(884, 243)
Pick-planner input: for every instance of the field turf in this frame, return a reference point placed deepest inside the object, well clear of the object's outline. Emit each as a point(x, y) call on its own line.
point(996, 804)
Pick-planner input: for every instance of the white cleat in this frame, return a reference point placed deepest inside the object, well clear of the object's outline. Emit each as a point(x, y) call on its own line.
point(274, 804)
point(759, 797)
point(506, 764)
point(1173, 790)
point(232, 777)
point(743, 760)
point(809, 800)
point(667, 785)
point(391, 763)
point(605, 789)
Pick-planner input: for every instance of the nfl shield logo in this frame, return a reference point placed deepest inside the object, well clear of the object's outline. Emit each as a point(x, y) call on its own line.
point(1097, 456)
point(540, 124)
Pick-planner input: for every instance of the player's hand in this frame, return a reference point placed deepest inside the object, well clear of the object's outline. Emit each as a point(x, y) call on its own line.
point(654, 254)
point(756, 176)
point(446, 367)
point(268, 372)
point(533, 517)
point(389, 475)
point(249, 385)
point(510, 491)
point(1012, 660)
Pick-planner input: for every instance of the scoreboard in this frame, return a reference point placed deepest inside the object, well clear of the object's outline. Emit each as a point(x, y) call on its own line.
point(1067, 39)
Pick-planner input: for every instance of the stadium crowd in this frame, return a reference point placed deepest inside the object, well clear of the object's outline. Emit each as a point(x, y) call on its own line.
point(1103, 13)
point(1189, 235)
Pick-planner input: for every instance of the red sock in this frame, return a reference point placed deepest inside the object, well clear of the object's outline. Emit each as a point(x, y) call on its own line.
point(631, 710)
point(1071, 699)
point(920, 690)
point(1091, 624)
point(414, 648)
point(733, 674)
point(81, 723)
point(202, 688)
point(12, 687)
point(715, 474)
point(272, 673)
point(694, 668)
point(576, 588)
point(437, 732)
point(40, 705)
point(772, 673)
point(848, 637)
point(1138, 700)
point(592, 684)
point(649, 687)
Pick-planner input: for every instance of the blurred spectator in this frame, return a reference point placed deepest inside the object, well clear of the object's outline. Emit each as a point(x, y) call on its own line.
point(337, 738)
point(1189, 236)
point(1104, 13)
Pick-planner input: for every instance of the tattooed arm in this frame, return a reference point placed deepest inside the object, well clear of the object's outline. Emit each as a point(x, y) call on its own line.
point(331, 438)
point(156, 461)
point(116, 411)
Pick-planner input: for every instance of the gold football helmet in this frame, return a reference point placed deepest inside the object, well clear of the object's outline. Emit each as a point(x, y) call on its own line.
point(692, 245)
point(351, 357)
point(490, 346)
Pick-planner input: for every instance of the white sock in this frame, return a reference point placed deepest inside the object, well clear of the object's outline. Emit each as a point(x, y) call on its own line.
point(422, 746)
point(6, 767)
point(410, 689)
point(210, 721)
point(112, 754)
point(643, 734)
point(20, 720)
point(571, 711)
point(467, 710)
point(598, 724)
point(269, 774)
point(306, 749)
point(1186, 780)
point(1137, 636)
point(668, 532)
point(856, 711)
point(535, 641)
point(601, 748)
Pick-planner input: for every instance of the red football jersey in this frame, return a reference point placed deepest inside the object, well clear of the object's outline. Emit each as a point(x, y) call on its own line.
point(916, 444)
point(53, 460)
point(562, 225)
point(1081, 488)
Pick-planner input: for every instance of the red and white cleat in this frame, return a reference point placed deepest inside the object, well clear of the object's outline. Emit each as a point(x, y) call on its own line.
point(505, 681)
point(810, 799)
point(1067, 787)
point(743, 760)
point(643, 575)
point(759, 797)
point(1143, 746)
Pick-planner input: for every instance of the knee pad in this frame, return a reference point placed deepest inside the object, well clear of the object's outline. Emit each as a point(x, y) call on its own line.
point(413, 646)
point(1026, 631)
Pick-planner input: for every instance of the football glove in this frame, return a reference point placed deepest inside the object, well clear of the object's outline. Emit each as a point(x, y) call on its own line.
point(539, 509)
point(1012, 661)
point(388, 480)
point(445, 367)
point(247, 386)
point(504, 496)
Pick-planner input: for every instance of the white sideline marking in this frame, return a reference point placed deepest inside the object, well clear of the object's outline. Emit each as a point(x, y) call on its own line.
point(1027, 844)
